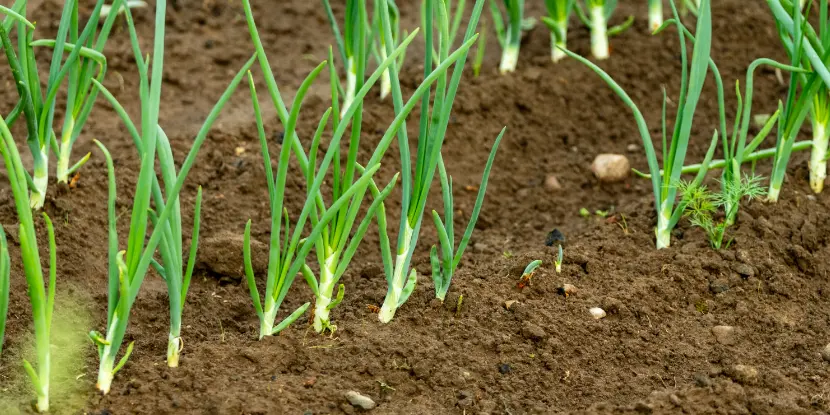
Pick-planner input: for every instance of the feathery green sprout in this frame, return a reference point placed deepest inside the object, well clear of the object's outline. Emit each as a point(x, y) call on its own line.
point(5, 269)
point(655, 14)
point(353, 45)
point(559, 12)
point(443, 267)
point(83, 64)
point(41, 293)
point(432, 128)
point(674, 151)
point(510, 36)
point(702, 205)
point(127, 269)
point(599, 13)
point(807, 50)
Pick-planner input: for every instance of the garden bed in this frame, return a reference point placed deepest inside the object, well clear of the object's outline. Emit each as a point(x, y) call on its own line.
point(655, 351)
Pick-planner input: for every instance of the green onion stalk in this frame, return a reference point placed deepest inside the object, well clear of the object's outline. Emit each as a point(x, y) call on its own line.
point(597, 17)
point(378, 46)
point(432, 129)
point(331, 225)
point(455, 14)
point(807, 91)
point(693, 75)
point(352, 44)
point(737, 149)
point(655, 14)
point(5, 286)
point(83, 63)
point(820, 111)
point(127, 269)
point(175, 274)
point(559, 12)
point(41, 294)
point(287, 256)
point(510, 37)
point(445, 264)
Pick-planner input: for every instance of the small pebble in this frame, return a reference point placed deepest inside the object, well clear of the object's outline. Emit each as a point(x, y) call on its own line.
point(611, 168)
point(552, 183)
point(597, 313)
point(359, 400)
point(825, 353)
point(724, 334)
point(509, 303)
point(675, 400)
point(702, 380)
point(505, 368)
point(633, 148)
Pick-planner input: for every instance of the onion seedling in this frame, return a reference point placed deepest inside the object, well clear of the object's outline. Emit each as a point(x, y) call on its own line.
point(600, 12)
point(509, 37)
point(432, 128)
point(332, 225)
point(807, 50)
point(5, 269)
point(379, 42)
point(443, 267)
point(819, 41)
point(558, 262)
point(693, 76)
point(655, 14)
point(559, 12)
point(84, 63)
point(127, 269)
point(527, 274)
point(41, 293)
point(353, 44)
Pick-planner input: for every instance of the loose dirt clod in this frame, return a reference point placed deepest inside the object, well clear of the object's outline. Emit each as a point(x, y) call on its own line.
point(725, 335)
point(360, 401)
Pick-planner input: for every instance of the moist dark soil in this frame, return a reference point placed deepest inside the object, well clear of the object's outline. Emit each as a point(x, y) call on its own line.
point(655, 352)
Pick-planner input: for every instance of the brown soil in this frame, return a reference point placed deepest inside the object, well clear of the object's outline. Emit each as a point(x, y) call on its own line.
point(655, 352)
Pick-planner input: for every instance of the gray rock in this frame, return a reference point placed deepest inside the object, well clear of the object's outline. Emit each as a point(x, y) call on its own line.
point(360, 401)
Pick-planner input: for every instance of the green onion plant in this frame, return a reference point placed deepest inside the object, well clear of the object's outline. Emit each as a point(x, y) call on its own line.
point(432, 129)
point(332, 236)
point(693, 75)
point(559, 12)
point(558, 262)
point(128, 268)
point(819, 42)
point(5, 284)
point(379, 42)
point(37, 98)
point(41, 292)
point(510, 36)
point(599, 12)
point(807, 91)
point(354, 44)
point(443, 266)
point(655, 14)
